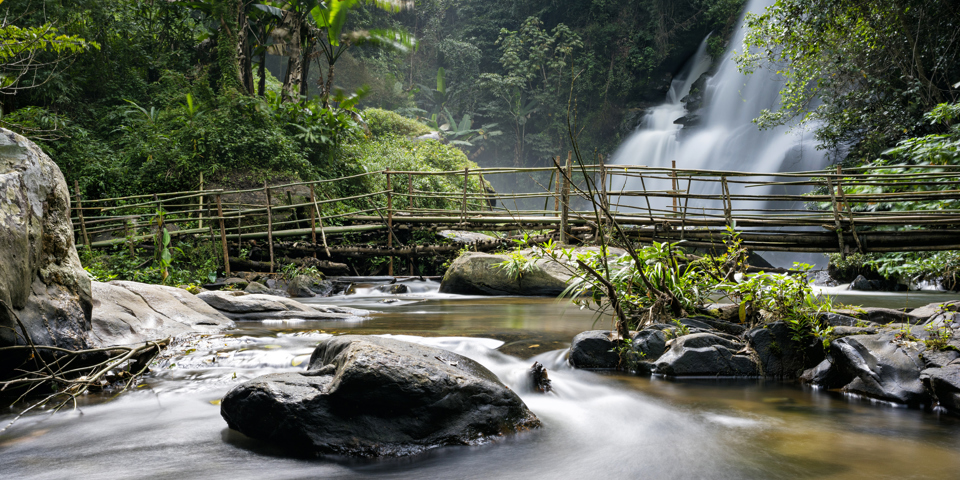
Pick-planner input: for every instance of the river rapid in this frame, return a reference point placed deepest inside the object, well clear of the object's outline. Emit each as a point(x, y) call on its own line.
point(596, 425)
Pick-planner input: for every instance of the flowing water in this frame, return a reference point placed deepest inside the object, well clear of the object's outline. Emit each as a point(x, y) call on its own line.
point(597, 425)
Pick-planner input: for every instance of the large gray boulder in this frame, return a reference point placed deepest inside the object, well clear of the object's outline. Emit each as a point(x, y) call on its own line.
point(372, 396)
point(41, 280)
point(129, 312)
point(478, 274)
point(944, 385)
point(705, 354)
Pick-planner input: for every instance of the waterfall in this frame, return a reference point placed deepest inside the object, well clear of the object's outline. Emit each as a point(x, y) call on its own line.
point(720, 135)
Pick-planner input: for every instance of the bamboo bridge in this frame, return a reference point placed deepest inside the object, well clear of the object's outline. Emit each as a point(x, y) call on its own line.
point(908, 208)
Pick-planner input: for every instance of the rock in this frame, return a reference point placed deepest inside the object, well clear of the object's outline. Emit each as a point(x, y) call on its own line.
point(929, 310)
point(880, 367)
point(724, 326)
point(594, 349)
point(41, 280)
point(781, 356)
point(129, 312)
point(862, 284)
point(729, 312)
point(649, 344)
point(239, 282)
point(243, 306)
point(301, 286)
point(824, 375)
point(944, 385)
point(468, 238)
point(837, 320)
point(539, 381)
point(257, 287)
point(840, 332)
point(938, 358)
point(478, 274)
point(885, 316)
point(704, 354)
point(373, 396)
point(823, 279)
point(394, 289)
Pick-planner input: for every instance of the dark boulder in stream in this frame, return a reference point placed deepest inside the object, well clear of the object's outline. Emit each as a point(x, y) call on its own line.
point(373, 396)
point(705, 354)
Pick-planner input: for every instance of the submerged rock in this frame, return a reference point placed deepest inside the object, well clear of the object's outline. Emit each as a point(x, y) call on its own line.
point(373, 396)
point(41, 280)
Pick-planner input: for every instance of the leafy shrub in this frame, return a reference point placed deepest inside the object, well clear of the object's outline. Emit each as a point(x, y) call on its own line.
point(383, 123)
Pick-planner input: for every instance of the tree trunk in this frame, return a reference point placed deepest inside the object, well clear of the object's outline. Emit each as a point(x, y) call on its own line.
point(244, 54)
point(294, 76)
point(262, 70)
point(227, 41)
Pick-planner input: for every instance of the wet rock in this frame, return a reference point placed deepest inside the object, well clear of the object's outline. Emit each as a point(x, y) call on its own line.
point(394, 289)
point(301, 286)
point(539, 379)
point(724, 326)
point(944, 386)
point(779, 354)
point(838, 320)
point(649, 344)
point(594, 349)
point(237, 282)
point(881, 367)
point(373, 396)
point(244, 306)
point(729, 312)
point(41, 280)
point(257, 287)
point(932, 309)
point(704, 354)
point(862, 284)
point(129, 312)
point(939, 358)
point(823, 279)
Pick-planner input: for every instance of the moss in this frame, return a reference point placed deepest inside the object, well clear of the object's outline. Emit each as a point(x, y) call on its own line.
point(383, 123)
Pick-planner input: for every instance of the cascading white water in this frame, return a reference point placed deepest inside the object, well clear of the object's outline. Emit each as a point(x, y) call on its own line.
point(725, 137)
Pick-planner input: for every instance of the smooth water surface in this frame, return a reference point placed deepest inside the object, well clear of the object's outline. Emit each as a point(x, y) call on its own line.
point(597, 425)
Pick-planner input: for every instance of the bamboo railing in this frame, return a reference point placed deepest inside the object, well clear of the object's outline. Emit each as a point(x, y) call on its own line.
point(770, 210)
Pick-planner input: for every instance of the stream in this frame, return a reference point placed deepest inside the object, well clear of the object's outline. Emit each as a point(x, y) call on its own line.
point(597, 425)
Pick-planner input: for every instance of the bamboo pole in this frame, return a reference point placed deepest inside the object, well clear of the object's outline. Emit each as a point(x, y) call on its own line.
point(556, 198)
point(200, 213)
point(313, 221)
point(565, 201)
point(674, 184)
point(836, 218)
point(323, 233)
point(727, 203)
point(389, 222)
point(466, 183)
point(83, 225)
point(853, 225)
point(410, 192)
point(266, 190)
point(223, 238)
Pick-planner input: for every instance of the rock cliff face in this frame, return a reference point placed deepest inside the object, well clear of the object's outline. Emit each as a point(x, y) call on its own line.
point(41, 280)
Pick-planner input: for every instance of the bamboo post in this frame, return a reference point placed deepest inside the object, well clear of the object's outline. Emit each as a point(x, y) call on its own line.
point(466, 184)
point(683, 213)
point(83, 225)
point(410, 192)
point(674, 185)
point(836, 218)
point(323, 234)
point(266, 190)
point(727, 202)
point(313, 221)
point(223, 238)
point(603, 184)
point(843, 196)
point(389, 222)
point(565, 201)
point(200, 210)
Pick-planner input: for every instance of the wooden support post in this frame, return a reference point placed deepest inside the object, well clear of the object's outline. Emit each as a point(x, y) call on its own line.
point(323, 234)
point(410, 192)
point(565, 201)
point(223, 238)
point(683, 214)
point(466, 185)
point(836, 218)
point(266, 190)
point(83, 225)
point(546, 201)
point(389, 222)
point(727, 202)
point(674, 184)
point(200, 210)
point(313, 221)
point(603, 184)
point(843, 196)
